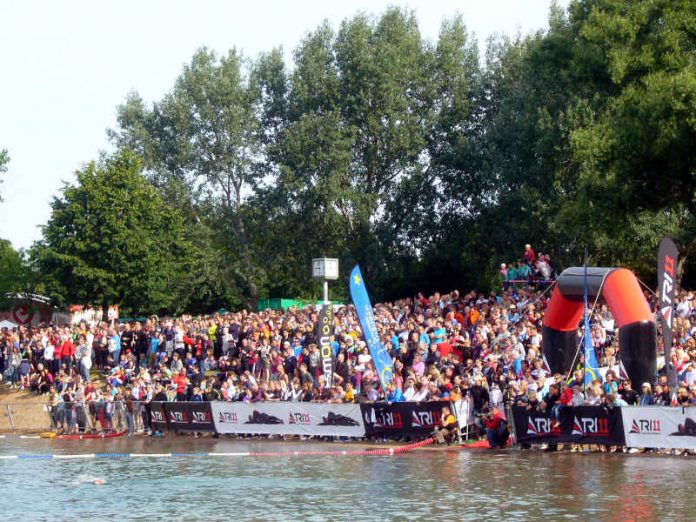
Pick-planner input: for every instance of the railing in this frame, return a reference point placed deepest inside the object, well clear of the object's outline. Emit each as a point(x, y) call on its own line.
point(80, 417)
point(24, 418)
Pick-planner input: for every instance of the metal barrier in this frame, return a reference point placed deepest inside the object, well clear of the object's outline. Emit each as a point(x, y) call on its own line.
point(24, 418)
point(41, 417)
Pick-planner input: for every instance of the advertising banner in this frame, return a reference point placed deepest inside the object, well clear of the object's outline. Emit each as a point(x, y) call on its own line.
point(666, 285)
point(363, 307)
point(402, 419)
point(189, 416)
point(288, 418)
point(158, 417)
point(660, 427)
point(579, 425)
point(325, 329)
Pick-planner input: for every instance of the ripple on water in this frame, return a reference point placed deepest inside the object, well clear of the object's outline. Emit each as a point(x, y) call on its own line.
point(418, 486)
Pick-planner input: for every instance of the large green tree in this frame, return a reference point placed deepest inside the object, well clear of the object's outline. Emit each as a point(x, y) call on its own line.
point(113, 239)
point(202, 145)
point(11, 270)
point(422, 161)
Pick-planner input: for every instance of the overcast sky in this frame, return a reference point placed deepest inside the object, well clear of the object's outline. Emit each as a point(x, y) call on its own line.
point(65, 66)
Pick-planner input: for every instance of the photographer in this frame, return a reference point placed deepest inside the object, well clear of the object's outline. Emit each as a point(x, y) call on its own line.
point(497, 431)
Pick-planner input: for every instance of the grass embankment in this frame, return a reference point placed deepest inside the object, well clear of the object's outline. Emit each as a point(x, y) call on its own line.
point(22, 411)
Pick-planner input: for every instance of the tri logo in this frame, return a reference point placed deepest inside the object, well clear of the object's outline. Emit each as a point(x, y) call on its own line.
point(424, 419)
point(646, 426)
point(591, 426)
point(542, 427)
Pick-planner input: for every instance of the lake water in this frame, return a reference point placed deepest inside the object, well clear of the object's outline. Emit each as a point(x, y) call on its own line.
point(421, 485)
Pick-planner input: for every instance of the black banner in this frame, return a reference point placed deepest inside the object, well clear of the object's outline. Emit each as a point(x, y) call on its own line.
point(158, 417)
point(189, 416)
point(579, 425)
point(666, 283)
point(325, 329)
point(401, 418)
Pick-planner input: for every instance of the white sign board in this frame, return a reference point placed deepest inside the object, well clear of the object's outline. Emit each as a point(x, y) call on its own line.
point(288, 418)
point(659, 427)
point(325, 268)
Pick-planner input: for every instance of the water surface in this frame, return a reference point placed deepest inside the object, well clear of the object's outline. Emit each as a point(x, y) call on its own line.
point(422, 485)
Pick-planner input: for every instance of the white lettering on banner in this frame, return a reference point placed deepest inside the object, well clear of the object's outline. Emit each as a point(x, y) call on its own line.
point(326, 350)
point(542, 426)
point(178, 417)
point(200, 417)
point(288, 418)
point(424, 419)
point(659, 427)
point(384, 419)
point(668, 290)
point(591, 426)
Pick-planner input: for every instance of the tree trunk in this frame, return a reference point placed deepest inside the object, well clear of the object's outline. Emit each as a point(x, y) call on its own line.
point(105, 312)
point(253, 295)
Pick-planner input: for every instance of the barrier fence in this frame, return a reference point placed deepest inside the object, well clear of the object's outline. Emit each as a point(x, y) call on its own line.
point(579, 425)
point(633, 426)
point(412, 419)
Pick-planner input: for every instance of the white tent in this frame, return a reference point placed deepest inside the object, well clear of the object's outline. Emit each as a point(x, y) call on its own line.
point(7, 324)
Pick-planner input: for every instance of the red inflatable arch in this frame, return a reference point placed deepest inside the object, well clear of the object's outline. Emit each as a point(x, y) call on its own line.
point(622, 293)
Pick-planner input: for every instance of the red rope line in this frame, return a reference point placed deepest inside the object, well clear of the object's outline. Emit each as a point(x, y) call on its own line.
point(338, 453)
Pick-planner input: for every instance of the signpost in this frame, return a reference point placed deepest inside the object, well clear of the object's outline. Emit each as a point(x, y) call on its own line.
point(325, 269)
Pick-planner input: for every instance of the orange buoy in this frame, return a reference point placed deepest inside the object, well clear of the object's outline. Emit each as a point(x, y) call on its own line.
point(98, 481)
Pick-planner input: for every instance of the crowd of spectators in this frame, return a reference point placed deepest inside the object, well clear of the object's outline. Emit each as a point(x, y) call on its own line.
point(444, 347)
point(531, 268)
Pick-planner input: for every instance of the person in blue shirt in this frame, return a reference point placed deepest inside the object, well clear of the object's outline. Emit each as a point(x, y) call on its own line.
point(523, 270)
point(115, 345)
point(439, 334)
point(646, 397)
point(424, 337)
point(394, 394)
point(196, 396)
point(396, 341)
point(155, 341)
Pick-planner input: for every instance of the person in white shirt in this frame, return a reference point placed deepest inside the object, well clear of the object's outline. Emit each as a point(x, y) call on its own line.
point(422, 392)
point(84, 357)
point(578, 396)
point(409, 390)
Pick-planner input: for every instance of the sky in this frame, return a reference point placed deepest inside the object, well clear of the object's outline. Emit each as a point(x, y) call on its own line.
point(65, 66)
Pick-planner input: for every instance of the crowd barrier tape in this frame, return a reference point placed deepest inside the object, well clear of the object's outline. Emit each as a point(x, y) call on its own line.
point(253, 454)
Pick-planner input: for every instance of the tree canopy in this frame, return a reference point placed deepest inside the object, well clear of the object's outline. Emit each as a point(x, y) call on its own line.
point(428, 163)
point(112, 239)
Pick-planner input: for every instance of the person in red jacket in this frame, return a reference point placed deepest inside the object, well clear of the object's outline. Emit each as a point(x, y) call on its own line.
point(529, 254)
point(58, 353)
point(497, 431)
point(564, 401)
point(68, 352)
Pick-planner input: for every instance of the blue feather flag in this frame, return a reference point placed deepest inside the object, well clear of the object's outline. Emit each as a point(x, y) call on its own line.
point(591, 365)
